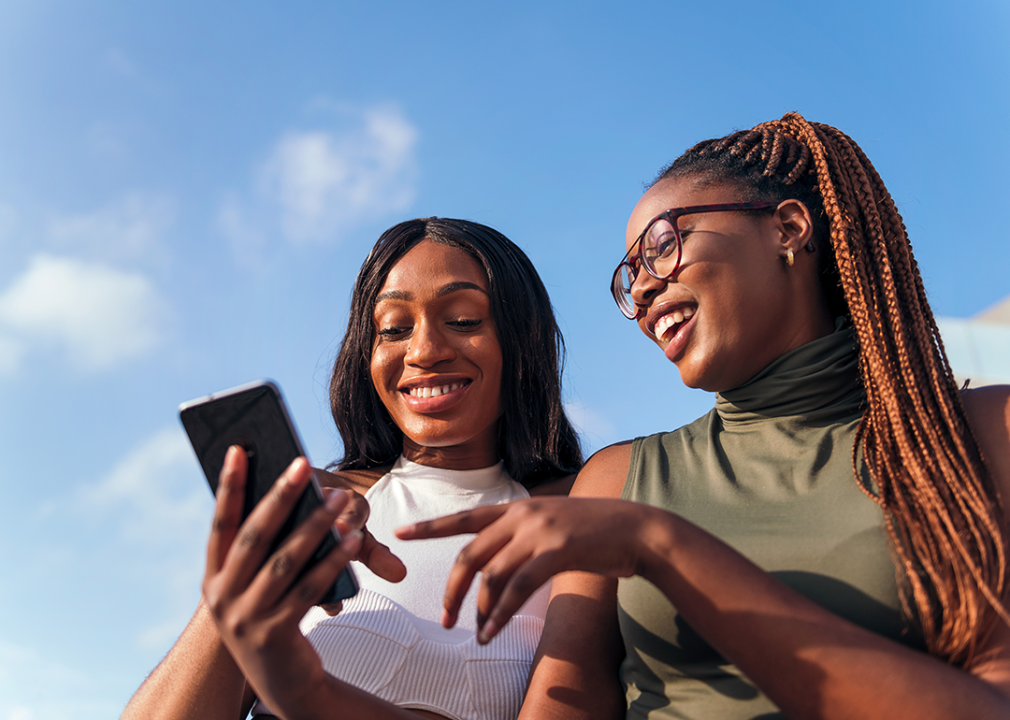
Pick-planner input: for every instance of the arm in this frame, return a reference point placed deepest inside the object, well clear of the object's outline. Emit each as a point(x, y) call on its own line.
point(198, 678)
point(575, 671)
point(808, 661)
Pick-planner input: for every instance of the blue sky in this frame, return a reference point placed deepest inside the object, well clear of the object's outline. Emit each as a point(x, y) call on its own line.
point(187, 190)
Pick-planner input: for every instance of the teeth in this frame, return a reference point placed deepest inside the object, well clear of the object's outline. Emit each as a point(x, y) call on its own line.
point(430, 392)
point(671, 319)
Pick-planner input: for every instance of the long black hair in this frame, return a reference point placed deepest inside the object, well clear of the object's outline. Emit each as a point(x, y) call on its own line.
point(536, 441)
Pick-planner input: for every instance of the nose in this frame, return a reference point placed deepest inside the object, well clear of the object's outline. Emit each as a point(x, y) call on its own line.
point(428, 346)
point(645, 287)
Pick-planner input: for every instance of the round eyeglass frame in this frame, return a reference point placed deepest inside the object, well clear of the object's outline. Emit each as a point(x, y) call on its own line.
point(627, 270)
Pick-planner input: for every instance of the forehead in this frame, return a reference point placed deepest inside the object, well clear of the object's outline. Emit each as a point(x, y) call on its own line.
point(428, 269)
point(675, 193)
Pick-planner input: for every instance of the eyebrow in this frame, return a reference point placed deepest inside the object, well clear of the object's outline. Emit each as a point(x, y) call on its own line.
point(441, 292)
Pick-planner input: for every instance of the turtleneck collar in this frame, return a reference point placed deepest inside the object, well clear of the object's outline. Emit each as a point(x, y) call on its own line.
point(819, 380)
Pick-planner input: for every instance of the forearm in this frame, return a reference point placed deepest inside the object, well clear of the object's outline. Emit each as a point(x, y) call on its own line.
point(575, 671)
point(198, 678)
point(807, 660)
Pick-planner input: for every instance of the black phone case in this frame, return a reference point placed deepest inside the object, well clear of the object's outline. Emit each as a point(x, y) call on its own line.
point(254, 416)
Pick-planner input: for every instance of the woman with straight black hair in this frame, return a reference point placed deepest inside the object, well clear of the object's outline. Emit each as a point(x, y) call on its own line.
point(536, 441)
point(447, 395)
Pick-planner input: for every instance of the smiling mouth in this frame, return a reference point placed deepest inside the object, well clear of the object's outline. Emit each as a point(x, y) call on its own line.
point(666, 327)
point(436, 390)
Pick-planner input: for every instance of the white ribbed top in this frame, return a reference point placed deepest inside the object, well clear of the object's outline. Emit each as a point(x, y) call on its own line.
point(388, 640)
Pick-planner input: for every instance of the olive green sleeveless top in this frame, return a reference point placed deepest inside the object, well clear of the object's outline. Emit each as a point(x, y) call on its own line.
point(769, 471)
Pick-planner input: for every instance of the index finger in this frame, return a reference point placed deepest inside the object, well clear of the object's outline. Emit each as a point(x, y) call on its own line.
point(462, 523)
point(228, 508)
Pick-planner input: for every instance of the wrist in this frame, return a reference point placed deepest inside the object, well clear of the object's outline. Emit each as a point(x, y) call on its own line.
point(656, 539)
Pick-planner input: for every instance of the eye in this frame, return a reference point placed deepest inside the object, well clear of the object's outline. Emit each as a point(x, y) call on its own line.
point(466, 324)
point(391, 333)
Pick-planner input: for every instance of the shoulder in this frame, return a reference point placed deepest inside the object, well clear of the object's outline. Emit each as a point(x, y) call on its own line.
point(358, 480)
point(988, 410)
point(555, 486)
point(605, 472)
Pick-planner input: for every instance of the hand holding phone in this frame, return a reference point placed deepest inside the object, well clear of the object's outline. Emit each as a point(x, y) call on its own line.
point(255, 418)
point(257, 606)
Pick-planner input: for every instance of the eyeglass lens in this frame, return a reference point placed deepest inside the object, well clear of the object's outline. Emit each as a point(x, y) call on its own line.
point(661, 249)
point(621, 289)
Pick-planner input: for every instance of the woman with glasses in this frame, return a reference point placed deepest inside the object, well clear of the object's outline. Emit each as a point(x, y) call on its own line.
point(829, 541)
point(447, 395)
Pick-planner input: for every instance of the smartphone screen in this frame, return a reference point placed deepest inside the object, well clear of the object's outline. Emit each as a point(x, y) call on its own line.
point(254, 417)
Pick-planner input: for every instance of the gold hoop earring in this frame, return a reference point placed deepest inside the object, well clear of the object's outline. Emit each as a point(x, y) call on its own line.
point(789, 257)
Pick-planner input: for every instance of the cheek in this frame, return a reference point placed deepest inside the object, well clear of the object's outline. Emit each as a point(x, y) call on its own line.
point(383, 369)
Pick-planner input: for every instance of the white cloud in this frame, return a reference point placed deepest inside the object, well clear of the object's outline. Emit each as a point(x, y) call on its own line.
point(128, 229)
point(98, 315)
point(316, 184)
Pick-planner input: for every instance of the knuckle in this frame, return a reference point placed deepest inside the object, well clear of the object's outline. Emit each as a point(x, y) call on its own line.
point(236, 626)
point(524, 582)
point(250, 537)
point(494, 581)
point(281, 565)
point(309, 592)
point(465, 557)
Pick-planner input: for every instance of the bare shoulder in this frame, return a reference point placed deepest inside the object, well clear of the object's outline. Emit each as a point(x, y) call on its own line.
point(604, 474)
point(358, 480)
point(988, 410)
point(557, 486)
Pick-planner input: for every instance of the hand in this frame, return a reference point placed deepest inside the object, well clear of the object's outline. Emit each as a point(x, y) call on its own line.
point(520, 545)
point(377, 557)
point(257, 609)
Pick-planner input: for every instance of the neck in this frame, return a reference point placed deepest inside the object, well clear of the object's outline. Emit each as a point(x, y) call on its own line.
point(457, 457)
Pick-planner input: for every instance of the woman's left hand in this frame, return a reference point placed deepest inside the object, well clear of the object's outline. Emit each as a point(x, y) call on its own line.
point(257, 605)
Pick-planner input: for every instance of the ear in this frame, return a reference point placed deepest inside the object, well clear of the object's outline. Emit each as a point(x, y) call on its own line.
point(796, 227)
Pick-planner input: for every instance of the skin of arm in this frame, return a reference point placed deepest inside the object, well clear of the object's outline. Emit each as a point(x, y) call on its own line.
point(574, 675)
point(810, 662)
point(198, 678)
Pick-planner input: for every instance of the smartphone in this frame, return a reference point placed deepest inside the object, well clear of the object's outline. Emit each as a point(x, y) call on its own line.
point(254, 417)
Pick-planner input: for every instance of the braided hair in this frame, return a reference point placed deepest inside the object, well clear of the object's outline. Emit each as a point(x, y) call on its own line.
point(941, 509)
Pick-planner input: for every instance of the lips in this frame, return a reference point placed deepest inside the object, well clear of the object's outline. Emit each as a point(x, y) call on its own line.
point(664, 322)
point(436, 390)
point(434, 394)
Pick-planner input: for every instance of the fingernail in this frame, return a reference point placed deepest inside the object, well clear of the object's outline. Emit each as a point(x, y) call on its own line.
point(333, 499)
point(487, 632)
point(354, 538)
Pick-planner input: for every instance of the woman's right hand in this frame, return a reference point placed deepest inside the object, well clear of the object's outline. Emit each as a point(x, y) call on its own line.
point(520, 545)
point(256, 597)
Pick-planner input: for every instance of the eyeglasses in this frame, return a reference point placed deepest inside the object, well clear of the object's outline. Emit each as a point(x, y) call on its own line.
point(660, 249)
